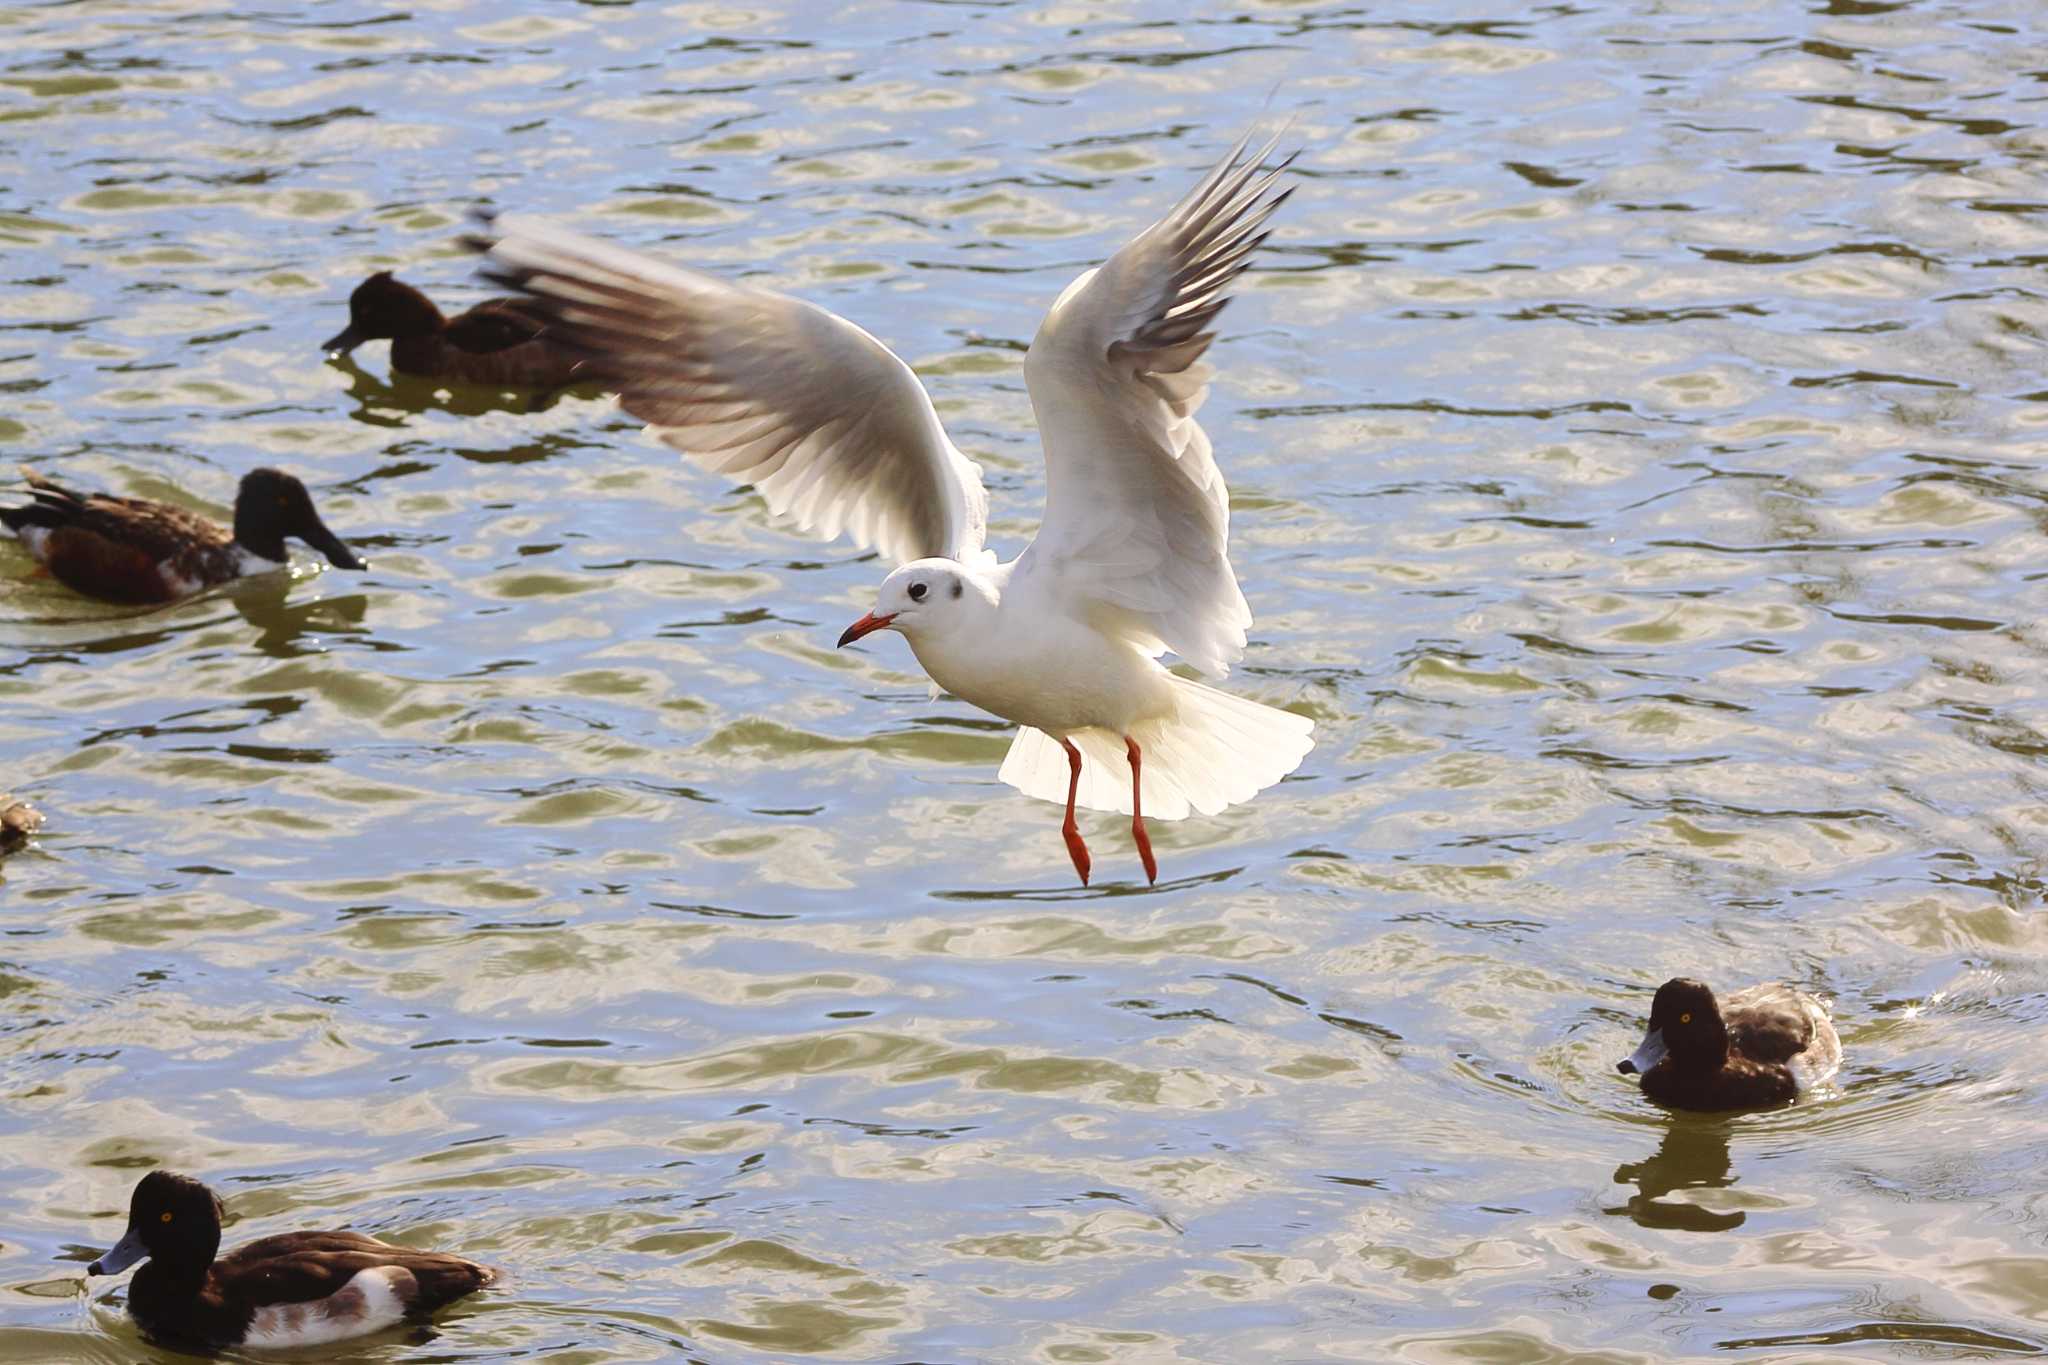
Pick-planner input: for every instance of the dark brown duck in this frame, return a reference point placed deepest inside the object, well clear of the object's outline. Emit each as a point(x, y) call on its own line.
point(293, 1289)
point(1757, 1047)
point(500, 342)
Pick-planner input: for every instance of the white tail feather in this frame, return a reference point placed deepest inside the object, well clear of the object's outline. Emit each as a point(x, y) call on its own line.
point(1215, 751)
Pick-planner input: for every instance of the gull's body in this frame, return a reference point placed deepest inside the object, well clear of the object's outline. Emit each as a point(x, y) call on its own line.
point(1131, 561)
point(1008, 627)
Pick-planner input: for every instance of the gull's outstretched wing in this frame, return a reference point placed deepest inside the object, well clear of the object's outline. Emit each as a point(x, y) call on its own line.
point(1137, 519)
point(832, 428)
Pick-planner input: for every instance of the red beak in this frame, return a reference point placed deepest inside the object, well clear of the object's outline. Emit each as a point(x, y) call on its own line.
point(867, 625)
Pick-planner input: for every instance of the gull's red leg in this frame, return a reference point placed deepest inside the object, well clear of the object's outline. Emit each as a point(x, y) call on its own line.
point(1077, 850)
point(1138, 816)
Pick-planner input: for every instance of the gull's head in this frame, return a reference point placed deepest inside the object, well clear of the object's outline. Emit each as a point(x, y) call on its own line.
point(922, 596)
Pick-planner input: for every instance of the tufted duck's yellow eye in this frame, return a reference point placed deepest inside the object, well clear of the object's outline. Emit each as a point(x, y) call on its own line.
point(165, 1215)
point(1685, 1018)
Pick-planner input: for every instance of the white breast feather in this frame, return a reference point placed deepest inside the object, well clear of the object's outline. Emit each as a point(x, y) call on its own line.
point(247, 562)
point(178, 584)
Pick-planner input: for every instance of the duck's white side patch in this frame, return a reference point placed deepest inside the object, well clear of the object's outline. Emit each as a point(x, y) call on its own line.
point(373, 1300)
point(247, 562)
point(32, 538)
point(1814, 1067)
point(176, 584)
point(241, 564)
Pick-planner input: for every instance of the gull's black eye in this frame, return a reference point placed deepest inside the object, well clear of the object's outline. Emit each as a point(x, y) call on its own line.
point(917, 592)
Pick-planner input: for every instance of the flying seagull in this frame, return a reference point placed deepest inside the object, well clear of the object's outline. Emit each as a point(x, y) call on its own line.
point(838, 435)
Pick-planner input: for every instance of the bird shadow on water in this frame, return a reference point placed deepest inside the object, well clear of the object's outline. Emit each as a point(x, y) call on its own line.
point(1692, 1156)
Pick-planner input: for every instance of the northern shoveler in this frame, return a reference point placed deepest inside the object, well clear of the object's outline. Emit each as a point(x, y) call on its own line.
point(503, 342)
point(134, 550)
point(291, 1289)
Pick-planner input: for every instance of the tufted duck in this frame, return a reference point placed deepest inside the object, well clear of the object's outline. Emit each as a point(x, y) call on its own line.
point(502, 342)
point(293, 1289)
point(1759, 1047)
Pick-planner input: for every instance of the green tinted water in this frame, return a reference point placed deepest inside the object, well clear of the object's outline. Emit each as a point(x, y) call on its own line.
point(1636, 435)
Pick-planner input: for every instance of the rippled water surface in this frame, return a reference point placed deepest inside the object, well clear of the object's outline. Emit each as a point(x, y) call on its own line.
point(1636, 430)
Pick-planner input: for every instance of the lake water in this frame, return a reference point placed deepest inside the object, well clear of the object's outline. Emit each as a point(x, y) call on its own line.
point(1636, 428)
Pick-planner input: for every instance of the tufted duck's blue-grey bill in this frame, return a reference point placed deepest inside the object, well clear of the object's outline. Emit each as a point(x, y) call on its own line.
point(125, 1253)
point(1643, 1058)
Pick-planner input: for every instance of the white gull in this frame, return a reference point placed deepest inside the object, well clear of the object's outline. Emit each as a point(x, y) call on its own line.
point(838, 435)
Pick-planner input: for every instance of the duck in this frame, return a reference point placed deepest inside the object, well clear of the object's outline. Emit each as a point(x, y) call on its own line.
point(1757, 1048)
point(19, 822)
point(135, 551)
point(292, 1289)
point(502, 342)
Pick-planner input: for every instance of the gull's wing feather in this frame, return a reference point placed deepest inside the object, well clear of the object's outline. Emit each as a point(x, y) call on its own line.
point(828, 423)
point(1137, 519)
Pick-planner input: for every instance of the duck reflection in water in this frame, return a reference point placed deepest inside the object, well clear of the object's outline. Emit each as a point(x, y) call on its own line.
point(381, 402)
point(1692, 1156)
point(292, 628)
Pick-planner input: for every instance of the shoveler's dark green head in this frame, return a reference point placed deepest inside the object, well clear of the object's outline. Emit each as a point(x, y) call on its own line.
point(383, 308)
point(271, 505)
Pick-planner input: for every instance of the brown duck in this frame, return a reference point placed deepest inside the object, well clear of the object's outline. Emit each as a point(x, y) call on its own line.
point(1752, 1049)
point(18, 823)
point(500, 342)
point(136, 551)
point(292, 1289)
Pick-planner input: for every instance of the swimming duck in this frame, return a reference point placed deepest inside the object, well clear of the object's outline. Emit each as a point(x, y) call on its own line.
point(1759, 1047)
point(500, 341)
point(133, 550)
point(293, 1289)
point(18, 823)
